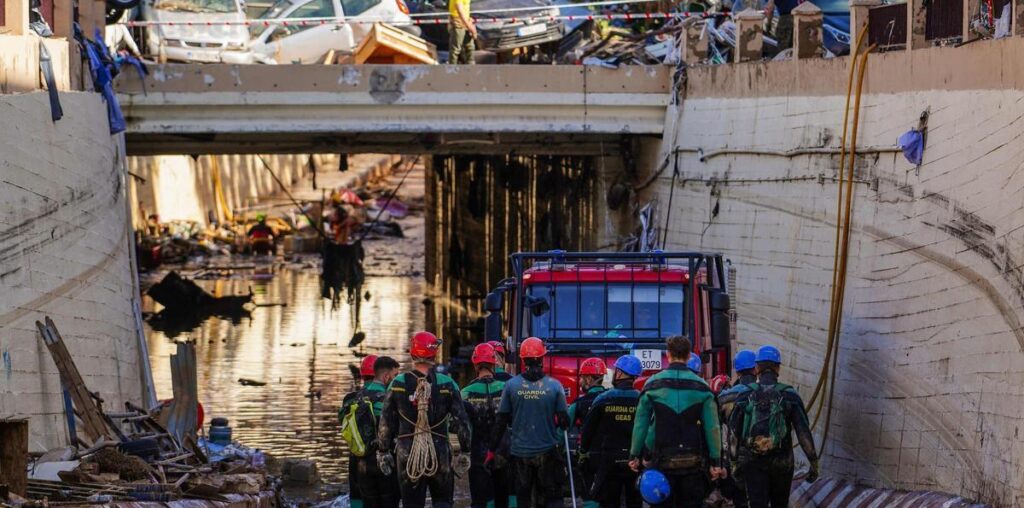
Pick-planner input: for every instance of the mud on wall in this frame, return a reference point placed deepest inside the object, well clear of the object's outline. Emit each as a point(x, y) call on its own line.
point(64, 254)
point(480, 209)
point(930, 391)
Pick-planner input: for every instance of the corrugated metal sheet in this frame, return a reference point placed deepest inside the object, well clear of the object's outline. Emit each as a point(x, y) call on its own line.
point(830, 493)
point(887, 26)
point(944, 19)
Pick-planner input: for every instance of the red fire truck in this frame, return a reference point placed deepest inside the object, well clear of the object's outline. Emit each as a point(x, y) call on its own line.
point(585, 304)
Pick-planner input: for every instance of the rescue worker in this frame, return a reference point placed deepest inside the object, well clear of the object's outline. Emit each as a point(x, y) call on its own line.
point(378, 490)
point(411, 430)
point(676, 429)
point(487, 483)
point(533, 408)
point(461, 32)
point(591, 373)
point(764, 461)
point(605, 438)
point(366, 375)
point(261, 236)
point(499, 368)
point(744, 362)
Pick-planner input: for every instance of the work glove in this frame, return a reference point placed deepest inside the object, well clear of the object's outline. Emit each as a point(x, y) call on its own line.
point(385, 462)
point(812, 472)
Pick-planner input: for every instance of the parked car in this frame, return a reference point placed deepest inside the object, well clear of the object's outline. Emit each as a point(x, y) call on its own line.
point(196, 43)
point(294, 43)
point(500, 32)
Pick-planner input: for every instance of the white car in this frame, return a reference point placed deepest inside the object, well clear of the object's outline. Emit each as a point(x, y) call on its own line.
point(198, 43)
point(294, 43)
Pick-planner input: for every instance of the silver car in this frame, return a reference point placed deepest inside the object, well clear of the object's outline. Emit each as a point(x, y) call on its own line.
point(197, 43)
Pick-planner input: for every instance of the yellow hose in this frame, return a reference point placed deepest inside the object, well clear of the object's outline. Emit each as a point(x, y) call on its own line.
point(839, 214)
point(841, 279)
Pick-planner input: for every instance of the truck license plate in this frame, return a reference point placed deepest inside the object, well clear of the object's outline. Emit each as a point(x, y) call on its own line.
point(538, 28)
point(649, 358)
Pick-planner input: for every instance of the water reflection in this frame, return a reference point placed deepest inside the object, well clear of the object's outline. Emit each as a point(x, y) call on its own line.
point(300, 351)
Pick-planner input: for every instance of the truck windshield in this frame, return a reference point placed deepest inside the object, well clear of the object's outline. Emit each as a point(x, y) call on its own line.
point(589, 311)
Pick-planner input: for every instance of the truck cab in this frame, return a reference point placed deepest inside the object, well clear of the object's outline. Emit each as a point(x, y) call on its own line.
point(610, 304)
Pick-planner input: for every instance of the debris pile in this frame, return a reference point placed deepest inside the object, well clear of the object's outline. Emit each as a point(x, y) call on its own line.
point(136, 454)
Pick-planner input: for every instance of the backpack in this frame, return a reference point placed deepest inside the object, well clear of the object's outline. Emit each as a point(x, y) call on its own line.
point(765, 428)
point(357, 424)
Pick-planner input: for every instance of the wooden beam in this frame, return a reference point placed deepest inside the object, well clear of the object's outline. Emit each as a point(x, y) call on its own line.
point(14, 455)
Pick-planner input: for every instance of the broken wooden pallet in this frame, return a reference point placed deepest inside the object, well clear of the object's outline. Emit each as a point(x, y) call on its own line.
point(386, 44)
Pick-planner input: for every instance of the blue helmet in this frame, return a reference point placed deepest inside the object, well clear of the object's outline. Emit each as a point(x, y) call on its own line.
point(653, 487)
point(694, 363)
point(769, 354)
point(745, 360)
point(630, 365)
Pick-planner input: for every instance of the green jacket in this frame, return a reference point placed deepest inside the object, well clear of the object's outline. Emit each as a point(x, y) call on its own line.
point(684, 399)
point(482, 398)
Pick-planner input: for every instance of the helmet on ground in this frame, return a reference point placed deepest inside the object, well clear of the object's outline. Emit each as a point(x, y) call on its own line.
point(694, 363)
point(744, 360)
point(498, 346)
point(719, 383)
point(366, 366)
point(424, 345)
point(653, 487)
point(484, 353)
point(638, 383)
point(769, 354)
point(532, 348)
point(629, 365)
point(593, 367)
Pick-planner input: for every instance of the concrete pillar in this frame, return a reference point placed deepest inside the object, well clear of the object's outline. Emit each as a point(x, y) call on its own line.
point(916, 20)
point(749, 35)
point(63, 19)
point(971, 7)
point(15, 17)
point(807, 20)
point(695, 47)
point(859, 18)
point(1017, 19)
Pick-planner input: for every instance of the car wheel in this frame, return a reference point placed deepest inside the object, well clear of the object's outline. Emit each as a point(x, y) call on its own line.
point(124, 4)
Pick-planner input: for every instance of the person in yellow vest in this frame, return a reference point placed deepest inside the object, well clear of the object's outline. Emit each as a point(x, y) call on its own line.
point(461, 32)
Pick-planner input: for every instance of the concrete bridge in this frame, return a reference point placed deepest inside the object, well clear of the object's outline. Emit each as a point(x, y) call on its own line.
point(392, 109)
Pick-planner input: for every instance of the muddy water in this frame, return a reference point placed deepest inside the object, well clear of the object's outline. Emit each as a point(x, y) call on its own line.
point(300, 350)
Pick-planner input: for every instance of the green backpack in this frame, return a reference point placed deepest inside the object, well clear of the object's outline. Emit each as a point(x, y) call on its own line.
point(765, 428)
point(356, 425)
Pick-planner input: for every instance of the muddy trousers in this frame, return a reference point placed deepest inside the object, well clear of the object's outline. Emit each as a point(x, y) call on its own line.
point(355, 497)
point(377, 489)
point(615, 485)
point(733, 490)
point(486, 485)
point(441, 485)
point(768, 483)
point(539, 479)
point(689, 488)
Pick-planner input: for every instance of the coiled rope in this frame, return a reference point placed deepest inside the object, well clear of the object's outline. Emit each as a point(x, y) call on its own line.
point(422, 454)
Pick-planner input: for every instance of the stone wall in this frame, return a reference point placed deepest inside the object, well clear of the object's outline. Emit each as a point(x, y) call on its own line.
point(930, 391)
point(64, 254)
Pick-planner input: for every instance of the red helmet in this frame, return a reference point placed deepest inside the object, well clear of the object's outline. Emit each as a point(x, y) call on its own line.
point(424, 345)
point(532, 348)
point(638, 383)
point(593, 367)
point(499, 347)
point(366, 367)
point(719, 383)
point(484, 353)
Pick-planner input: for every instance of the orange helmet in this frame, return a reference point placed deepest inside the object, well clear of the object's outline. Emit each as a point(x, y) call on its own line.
point(499, 347)
point(424, 346)
point(532, 348)
point(638, 383)
point(719, 383)
point(484, 353)
point(593, 367)
point(366, 367)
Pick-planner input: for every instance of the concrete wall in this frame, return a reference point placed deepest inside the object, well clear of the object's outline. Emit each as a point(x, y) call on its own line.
point(63, 253)
point(180, 187)
point(931, 365)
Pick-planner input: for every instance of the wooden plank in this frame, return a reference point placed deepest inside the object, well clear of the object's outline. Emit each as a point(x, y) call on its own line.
point(387, 44)
point(93, 424)
point(14, 455)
